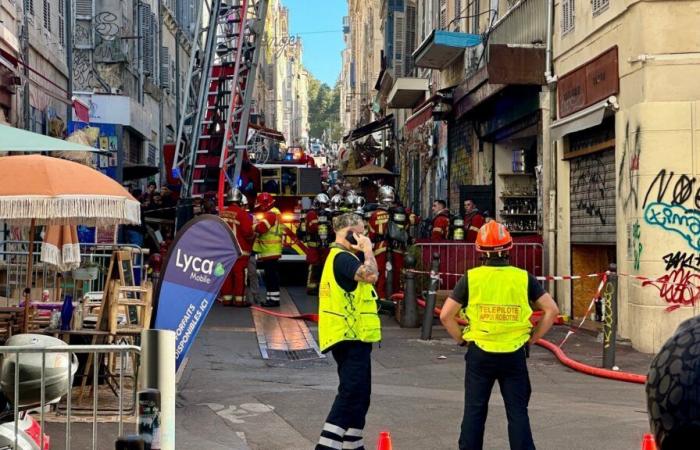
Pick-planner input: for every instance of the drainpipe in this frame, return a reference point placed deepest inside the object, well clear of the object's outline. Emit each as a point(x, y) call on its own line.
point(548, 75)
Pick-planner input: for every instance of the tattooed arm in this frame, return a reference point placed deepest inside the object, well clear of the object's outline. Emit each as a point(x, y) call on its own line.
point(368, 271)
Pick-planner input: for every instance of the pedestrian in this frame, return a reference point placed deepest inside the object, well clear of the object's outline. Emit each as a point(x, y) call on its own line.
point(348, 325)
point(498, 300)
point(268, 245)
point(440, 229)
point(473, 220)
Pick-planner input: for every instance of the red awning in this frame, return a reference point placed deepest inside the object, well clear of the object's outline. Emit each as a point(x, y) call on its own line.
point(422, 114)
point(268, 133)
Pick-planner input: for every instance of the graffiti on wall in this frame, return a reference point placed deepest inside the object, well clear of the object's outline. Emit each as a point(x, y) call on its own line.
point(668, 205)
point(82, 69)
point(680, 286)
point(589, 175)
point(635, 246)
point(628, 176)
point(108, 47)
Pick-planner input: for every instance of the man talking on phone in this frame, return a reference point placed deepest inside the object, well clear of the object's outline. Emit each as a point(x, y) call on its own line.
point(348, 325)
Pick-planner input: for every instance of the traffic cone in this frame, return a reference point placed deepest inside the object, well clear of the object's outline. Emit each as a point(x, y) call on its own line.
point(384, 442)
point(647, 442)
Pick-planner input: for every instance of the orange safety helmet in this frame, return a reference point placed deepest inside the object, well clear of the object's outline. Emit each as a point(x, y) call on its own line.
point(493, 237)
point(264, 201)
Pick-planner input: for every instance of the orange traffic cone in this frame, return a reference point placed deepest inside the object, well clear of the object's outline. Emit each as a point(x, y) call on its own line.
point(384, 442)
point(648, 442)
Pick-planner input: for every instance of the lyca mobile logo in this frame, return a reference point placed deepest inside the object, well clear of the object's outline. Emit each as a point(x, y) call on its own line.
point(200, 269)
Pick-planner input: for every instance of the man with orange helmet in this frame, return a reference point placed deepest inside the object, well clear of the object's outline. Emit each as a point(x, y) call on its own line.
point(268, 245)
point(498, 300)
point(237, 217)
point(440, 230)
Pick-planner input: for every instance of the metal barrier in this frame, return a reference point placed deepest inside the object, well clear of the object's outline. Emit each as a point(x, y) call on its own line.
point(457, 257)
point(98, 350)
point(13, 266)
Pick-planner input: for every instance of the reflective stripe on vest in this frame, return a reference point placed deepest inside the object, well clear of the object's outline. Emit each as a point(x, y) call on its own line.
point(270, 243)
point(345, 316)
point(498, 309)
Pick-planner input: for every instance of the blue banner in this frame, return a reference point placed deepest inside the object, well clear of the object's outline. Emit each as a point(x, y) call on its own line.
point(197, 264)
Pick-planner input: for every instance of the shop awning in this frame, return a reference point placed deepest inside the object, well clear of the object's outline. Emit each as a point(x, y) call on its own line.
point(586, 118)
point(15, 140)
point(441, 48)
point(268, 133)
point(421, 115)
point(407, 92)
point(372, 127)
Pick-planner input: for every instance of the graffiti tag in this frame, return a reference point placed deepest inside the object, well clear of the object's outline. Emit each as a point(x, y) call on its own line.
point(637, 246)
point(681, 193)
point(678, 288)
point(682, 260)
point(590, 184)
point(628, 176)
point(677, 219)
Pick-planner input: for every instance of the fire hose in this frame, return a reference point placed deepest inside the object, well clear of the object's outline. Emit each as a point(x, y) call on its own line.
point(560, 355)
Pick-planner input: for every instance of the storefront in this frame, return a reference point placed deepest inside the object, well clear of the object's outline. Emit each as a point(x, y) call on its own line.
point(586, 127)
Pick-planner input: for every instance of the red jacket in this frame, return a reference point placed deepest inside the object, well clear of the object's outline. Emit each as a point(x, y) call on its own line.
point(378, 225)
point(441, 226)
point(472, 223)
point(241, 222)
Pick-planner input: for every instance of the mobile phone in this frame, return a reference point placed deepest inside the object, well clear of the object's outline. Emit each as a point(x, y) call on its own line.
point(350, 237)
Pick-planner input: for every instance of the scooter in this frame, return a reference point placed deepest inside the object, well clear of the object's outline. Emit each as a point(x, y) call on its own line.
point(56, 385)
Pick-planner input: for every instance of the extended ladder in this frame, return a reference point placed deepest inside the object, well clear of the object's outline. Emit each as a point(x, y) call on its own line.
point(213, 129)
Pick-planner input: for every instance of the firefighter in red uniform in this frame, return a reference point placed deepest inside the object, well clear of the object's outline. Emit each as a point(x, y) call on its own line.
point(378, 226)
point(236, 215)
point(316, 239)
point(473, 220)
point(268, 245)
point(440, 230)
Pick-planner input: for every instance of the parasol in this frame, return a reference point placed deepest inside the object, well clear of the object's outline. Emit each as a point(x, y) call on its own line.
point(370, 170)
point(51, 191)
point(17, 140)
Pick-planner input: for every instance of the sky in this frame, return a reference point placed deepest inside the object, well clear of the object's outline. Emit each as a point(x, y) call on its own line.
point(319, 23)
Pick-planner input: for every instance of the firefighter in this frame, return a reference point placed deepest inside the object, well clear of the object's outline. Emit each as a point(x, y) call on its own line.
point(378, 225)
point(473, 220)
point(268, 245)
point(235, 214)
point(440, 230)
point(399, 240)
point(499, 300)
point(316, 239)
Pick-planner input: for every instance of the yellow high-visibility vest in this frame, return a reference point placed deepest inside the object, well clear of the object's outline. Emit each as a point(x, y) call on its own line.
point(342, 315)
point(498, 309)
point(270, 243)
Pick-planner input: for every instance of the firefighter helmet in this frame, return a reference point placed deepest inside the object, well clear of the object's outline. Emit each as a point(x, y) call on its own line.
point(493, 237)
point(264, 201)
point(359, 202)
point(235, 196)
point(336, 202)
point(321, 201)
point(350, 199)
point(386, 195)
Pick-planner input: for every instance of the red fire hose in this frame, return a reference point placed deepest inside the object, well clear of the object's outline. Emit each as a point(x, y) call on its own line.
point(559, 353)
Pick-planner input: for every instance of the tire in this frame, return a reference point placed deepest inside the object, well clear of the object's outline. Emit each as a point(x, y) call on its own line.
point(673, 389)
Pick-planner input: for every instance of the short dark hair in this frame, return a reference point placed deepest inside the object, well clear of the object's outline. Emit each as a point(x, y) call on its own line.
point(441, 203)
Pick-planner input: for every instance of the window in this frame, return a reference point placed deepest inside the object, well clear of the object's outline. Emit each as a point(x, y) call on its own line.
point(29, 7)
point(599, 6)
point(47, 15)
point(475, 19)
point(567, 16)
point(443, 14)
point(458, 13)
point(61, 23)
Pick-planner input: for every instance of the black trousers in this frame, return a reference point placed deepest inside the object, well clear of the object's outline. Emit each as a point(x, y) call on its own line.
point(271, 278)
point(482, 371)
point(346, 420)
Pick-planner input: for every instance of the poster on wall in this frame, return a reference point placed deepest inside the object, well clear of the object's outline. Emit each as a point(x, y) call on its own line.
point(197, 264)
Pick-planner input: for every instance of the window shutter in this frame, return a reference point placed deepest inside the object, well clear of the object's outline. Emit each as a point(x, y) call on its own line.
point(599, 6)
point(443, 14)
point(165, 68)
point(399, 42)
point(61, 23)
point(29, 7)
point(410, 37)
point(146, 26)
point(83, 8)
point(567, 16)
point(47, 15)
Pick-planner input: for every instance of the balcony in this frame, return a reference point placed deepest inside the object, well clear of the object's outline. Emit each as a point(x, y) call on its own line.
point(441, 48)
point(407, 92)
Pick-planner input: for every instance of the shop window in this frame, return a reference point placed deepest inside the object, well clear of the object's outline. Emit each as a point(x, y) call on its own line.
point(599, 6)
point(568, 16)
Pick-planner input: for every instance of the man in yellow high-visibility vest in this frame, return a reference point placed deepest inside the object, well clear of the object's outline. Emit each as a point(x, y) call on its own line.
point(499, 300)
point(348, 325)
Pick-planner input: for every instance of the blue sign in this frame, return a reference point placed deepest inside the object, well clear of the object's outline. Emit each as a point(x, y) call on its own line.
point(197, 264)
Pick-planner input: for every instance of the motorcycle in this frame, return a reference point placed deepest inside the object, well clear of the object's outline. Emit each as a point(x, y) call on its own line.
point(56, 385)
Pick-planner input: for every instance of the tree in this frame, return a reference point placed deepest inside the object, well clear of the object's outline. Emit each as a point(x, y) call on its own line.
point(324, 110)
